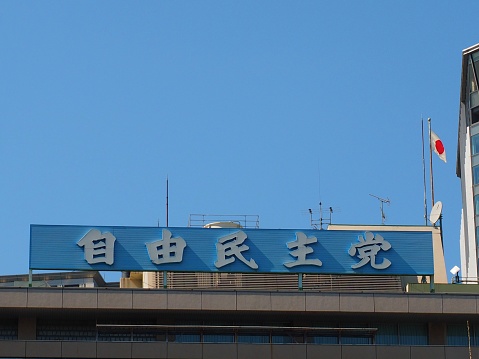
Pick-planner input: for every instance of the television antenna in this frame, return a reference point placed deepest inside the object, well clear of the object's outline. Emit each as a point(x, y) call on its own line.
point(382, 200)
point(323, 217)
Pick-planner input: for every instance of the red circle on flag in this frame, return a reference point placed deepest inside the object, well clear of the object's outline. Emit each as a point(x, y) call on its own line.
point(439, 147)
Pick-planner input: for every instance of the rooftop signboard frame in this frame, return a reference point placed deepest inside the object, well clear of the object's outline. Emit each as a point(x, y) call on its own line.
point(230, 250)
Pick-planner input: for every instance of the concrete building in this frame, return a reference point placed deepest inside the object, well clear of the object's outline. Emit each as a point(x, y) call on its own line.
point(467, 165)
point(140, 323)
point(245, 316)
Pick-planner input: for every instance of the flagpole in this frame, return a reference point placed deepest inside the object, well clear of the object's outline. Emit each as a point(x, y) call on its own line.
point(424, 170)
point(431, 173)
point(167, 200)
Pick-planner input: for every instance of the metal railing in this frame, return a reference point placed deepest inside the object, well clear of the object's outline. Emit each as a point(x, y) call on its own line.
point(274, 282)
point(244, 220)
point(466, 280)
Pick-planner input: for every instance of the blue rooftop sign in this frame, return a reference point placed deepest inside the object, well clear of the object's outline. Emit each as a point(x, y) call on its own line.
point(231, 250)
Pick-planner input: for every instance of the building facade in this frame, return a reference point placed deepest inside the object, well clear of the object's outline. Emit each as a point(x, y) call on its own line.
point(215, 314)
point(139, 323)
point(467, 165)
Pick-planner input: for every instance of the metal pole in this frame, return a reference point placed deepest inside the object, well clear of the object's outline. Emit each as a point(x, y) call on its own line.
point(430, 163)
point(440, 231)
point(167, 201)
point(165, 279)
point(424, 171)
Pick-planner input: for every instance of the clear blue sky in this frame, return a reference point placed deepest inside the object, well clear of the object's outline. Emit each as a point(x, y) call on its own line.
point(249, 107)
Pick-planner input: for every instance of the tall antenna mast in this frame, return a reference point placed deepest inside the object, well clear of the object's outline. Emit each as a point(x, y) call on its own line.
point(382, 200)
point(317, 223)
point(167, 201)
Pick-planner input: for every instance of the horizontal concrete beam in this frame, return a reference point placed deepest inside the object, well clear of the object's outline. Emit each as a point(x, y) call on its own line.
point(103, 350)
point(197, 300)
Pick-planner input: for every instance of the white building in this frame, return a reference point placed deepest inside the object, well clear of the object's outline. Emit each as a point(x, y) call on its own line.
point(467, 166)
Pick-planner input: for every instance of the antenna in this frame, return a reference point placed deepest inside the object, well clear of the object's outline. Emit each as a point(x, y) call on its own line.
point(311, 220)
point(321, 220)
point(382, 200)
point(167, 200)
point(317, 220)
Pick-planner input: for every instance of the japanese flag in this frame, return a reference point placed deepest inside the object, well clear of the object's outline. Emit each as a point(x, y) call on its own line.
point(437, 146)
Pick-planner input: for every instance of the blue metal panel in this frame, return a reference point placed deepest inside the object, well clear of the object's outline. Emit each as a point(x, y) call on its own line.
point(267, 251)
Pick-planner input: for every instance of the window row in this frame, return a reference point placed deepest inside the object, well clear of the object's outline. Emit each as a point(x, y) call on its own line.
point(377, 334)
point(8, 331)
point(462, 335)
point(382, 334)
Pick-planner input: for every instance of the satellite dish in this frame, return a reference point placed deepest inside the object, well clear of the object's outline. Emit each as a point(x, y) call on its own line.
point(455, 270)
point(435, 212)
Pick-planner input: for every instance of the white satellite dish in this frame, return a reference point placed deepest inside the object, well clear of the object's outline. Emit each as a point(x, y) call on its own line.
point(435, 212)
point(455, 270)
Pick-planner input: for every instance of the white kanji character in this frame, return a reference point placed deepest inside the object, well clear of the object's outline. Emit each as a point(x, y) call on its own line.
point(231, 246)
point(167, 249)
point(98, 247)
point(302, 249)
point(368, 249)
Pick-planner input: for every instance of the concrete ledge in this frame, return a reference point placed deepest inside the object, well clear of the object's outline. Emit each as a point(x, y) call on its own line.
point(45, 297)
point(248, 351)
point(428, 303)
point(220, 351)
point(322, 302)
point(80, 298)
point(460, 352)
point(16, 298)
point(218, 300)
point(182, 350)
point(295, 302)
point(113, 350)
point(19, 299)
point(388, 303)
point(288, 351)
point(356, 303)
point(163, 350)
point(324, 351)
point(184, 300)
point(393, 352)
point(421, 352)
point(73, 349)
point(455, 304)
point(13, 349)
point(358, 351)
point(149, 350)
point(150, 299)
point(260, 301)
point(43, 349)
point(115, 299)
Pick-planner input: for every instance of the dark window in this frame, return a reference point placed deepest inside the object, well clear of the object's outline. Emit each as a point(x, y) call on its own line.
point(413, 334)
point(475, 115)
point(457, 335)
point(475, 175)
point(475, 145)
point(387, 334)
point(219, 338)
point(184, 337)
point(253, 338)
